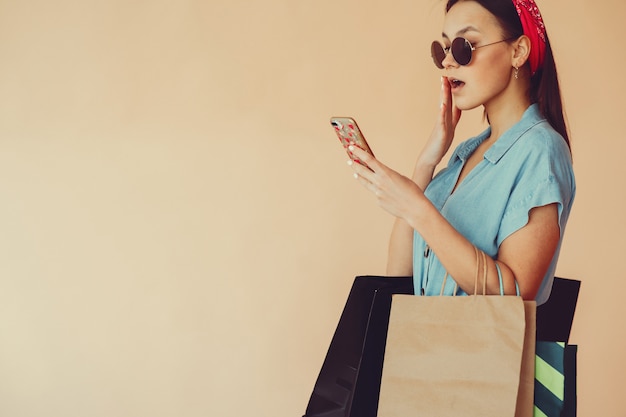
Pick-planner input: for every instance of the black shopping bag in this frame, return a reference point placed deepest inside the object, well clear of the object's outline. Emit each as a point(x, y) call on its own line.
point(348, 384)
point(555, 316)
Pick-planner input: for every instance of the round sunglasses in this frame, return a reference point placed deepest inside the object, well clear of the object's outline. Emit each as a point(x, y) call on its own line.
point(461, 50)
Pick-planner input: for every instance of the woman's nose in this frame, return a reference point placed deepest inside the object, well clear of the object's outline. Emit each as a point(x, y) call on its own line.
point(448, 60)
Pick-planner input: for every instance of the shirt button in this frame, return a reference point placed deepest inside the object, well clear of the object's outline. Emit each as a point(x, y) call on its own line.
point(426, 251)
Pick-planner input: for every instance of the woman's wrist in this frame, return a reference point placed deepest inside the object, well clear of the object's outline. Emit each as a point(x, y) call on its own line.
point(421, 211)
point(423, 173)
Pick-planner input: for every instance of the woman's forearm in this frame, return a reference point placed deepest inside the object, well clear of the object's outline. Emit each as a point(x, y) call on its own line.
point(400, 252)
point(458, 255)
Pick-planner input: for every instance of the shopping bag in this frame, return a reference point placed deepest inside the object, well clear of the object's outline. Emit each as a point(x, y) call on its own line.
point(570, 366)
point(549, 379)
point(555, 365)
point(555, 379)
point(349, 379)
point(556, 316)
point(458, 356)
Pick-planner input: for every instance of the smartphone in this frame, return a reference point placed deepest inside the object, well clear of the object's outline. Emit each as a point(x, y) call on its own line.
point(349, 133)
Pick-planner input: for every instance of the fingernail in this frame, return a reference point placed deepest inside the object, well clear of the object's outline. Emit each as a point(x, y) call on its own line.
point(350, 162)
point(356, 176)
point(351, 148)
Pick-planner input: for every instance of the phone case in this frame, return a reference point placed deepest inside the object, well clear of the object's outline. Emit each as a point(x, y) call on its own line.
point(349, 133)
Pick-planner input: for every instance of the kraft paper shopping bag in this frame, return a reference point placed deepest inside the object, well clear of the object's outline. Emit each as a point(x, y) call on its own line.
point(458, 356)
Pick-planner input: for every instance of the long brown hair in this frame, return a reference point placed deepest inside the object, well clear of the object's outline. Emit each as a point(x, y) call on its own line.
point(544, 84)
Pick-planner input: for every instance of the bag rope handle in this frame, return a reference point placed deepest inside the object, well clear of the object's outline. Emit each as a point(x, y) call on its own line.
point(484, 272)
point(480, 254)
point(517, 292)
point(456, 285)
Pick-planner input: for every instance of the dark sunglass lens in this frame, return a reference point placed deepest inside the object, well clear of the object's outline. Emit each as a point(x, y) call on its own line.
point(461, 51)
point(438, 54)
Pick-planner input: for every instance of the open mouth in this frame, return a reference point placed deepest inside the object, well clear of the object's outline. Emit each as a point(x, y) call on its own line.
point(454, 83)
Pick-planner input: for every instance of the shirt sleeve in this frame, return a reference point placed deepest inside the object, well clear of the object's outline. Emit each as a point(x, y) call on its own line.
point(545, 177)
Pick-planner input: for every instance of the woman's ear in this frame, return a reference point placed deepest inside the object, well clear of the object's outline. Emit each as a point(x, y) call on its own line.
point(521, 51)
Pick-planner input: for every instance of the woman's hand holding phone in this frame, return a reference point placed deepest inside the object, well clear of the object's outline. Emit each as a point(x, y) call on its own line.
point(395, 193)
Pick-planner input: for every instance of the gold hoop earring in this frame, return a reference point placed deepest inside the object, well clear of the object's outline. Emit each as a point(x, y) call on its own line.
point(516, 73)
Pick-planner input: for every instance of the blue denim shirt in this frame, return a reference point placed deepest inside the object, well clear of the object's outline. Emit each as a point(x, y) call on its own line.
point(528, 166)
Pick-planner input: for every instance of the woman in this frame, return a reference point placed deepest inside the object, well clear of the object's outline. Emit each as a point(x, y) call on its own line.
point(507, 192)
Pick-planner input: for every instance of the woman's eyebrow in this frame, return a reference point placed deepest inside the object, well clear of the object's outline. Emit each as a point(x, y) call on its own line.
point(462, 31)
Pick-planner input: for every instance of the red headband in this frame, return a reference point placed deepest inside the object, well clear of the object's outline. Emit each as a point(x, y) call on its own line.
point(533, 26)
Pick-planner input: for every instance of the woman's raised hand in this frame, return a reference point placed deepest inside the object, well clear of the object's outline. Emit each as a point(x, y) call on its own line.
point(442, 134)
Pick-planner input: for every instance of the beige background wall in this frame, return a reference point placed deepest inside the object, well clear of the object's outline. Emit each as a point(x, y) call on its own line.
point(178, 228)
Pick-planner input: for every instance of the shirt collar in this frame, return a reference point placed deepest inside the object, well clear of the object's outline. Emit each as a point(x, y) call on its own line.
point(530, 118)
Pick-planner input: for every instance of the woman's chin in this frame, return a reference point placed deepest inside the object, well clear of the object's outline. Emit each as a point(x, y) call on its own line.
point(465, 105)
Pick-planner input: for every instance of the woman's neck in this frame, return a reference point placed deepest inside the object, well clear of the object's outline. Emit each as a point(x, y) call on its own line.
point(502, 118)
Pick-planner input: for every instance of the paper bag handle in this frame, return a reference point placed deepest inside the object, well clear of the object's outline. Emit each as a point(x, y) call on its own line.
point(500, 281)
point(484, 263)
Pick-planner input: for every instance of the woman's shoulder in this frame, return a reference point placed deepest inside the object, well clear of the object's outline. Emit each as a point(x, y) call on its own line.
point(531, 139)
point(542, 144)
point(544, 136)
point(538, 135)
point(541, 156)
